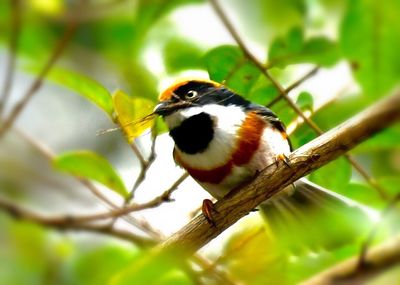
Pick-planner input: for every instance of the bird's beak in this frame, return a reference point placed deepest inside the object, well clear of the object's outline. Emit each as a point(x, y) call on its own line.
point(166, 108)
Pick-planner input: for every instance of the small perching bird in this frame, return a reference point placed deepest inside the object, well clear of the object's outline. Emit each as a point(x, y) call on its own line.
point(223, 140)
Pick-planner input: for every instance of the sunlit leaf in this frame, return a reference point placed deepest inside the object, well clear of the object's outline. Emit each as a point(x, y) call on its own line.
point(302, 135)
point(82, 85)
point(305, 101)
point(227, 64)
point(109, 258)
point(87, 164)
point(369, 41)
point(130, 112)
point(239, 255)
point(263, 95)
point(152, 268)
point(364, 194)
point(49, 7)
point(180, 54)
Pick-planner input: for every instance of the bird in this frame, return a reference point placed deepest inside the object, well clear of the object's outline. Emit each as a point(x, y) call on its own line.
point(224, 140)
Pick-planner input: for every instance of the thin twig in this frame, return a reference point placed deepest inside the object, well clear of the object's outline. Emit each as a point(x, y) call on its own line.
point(82, 219)
point(294, 125)
point(231, 72)
point(138, 154)
point(12, 51)
point(379, 258)
point(21, 213)
point(302, 79)
point(144, 164)
point(294, 85)
point(50, 156)
point(362, 262)
point(17, 109)
point(282, 92)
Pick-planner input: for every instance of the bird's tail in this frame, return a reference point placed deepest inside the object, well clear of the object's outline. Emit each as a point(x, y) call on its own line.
point(312, 218)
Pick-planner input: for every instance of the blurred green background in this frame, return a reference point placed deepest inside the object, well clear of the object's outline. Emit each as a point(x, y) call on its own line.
point(139, 47)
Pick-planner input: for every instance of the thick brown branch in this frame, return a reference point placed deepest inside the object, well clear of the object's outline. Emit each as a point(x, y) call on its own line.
point(304, 160)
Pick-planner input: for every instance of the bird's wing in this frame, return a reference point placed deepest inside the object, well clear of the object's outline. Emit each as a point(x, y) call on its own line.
point(314, 219)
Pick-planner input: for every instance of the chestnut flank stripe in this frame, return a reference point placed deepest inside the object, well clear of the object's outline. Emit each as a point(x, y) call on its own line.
point(249, 141)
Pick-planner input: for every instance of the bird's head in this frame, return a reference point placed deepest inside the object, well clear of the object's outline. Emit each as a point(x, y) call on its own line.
point(191, 97)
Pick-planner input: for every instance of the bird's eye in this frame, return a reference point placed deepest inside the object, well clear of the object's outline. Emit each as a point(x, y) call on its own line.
point(191, 94)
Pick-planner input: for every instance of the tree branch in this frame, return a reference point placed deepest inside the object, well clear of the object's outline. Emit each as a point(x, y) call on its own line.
point(294, 85)
point(17, 109)
point(21, 213)
point(304, 160)
point(378, 258)
point(15, 24)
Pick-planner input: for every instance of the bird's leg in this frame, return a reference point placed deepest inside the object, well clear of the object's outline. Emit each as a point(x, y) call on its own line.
point(208, 208)
point(284, 158)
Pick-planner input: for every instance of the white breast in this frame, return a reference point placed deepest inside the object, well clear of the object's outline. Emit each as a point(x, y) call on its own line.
point(228, 119)
point(273, 144)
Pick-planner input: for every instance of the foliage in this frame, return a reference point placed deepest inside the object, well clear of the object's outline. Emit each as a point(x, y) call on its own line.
point(90, 165)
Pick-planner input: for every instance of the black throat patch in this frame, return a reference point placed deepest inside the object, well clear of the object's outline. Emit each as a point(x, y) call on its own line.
point(194, 134)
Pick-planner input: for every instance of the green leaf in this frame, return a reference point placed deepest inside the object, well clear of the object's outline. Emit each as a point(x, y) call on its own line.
point(82, 85)
point(295, 40)
point(305, 101)
point(333, 176)
point(391, 184)
point(364, 194)
point(87, 164)
point(227, 64)
point(263, 95)
point(152, 268)
point(388, 139)
point(369, 40)
point(302, 135)
point(293, 49)
point(110, 258)
point(339, 110)
point(181, 54)
point(132, 114)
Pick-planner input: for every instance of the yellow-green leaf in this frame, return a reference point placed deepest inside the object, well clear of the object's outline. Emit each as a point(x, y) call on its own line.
point(87, 164)
point(131, 114)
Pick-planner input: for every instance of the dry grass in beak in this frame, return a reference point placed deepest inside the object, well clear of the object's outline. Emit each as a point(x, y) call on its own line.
point(138, 122)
